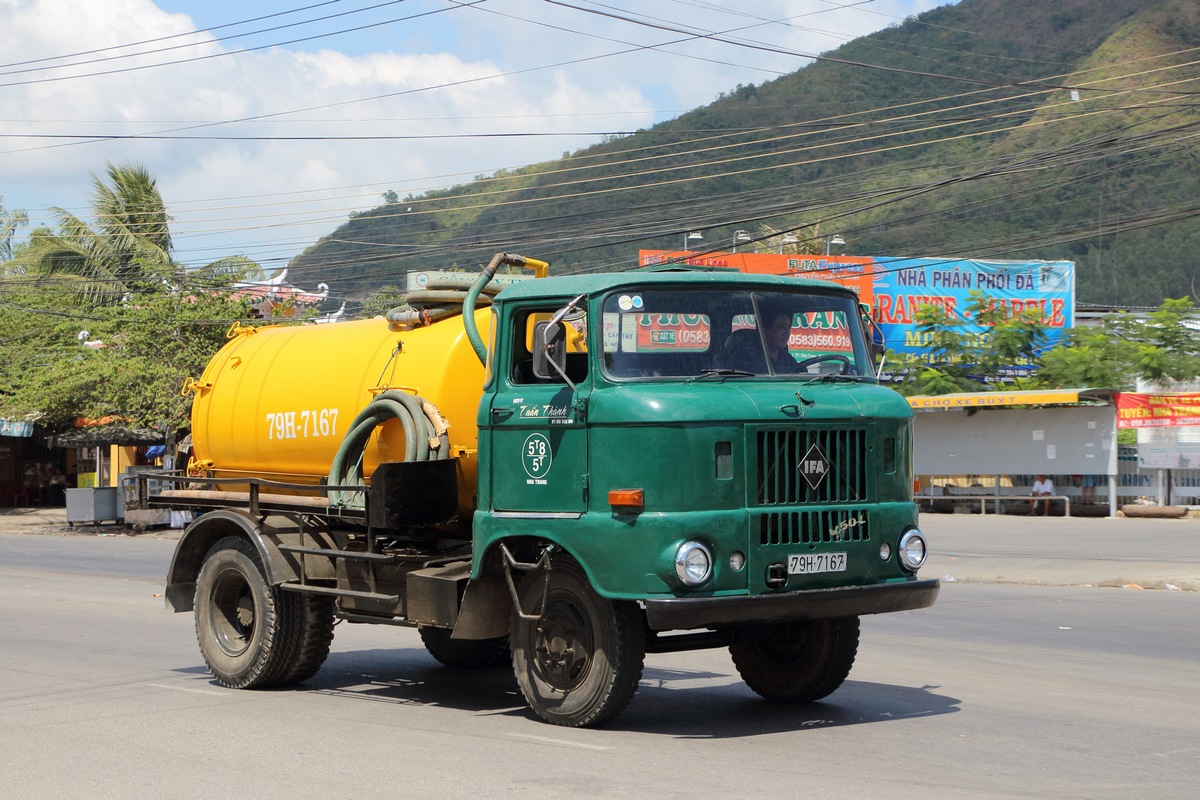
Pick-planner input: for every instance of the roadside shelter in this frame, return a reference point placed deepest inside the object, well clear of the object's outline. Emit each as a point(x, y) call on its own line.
point(1060, 432)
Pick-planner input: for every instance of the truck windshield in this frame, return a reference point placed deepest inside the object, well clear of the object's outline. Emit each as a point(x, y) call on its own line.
point(665, 333)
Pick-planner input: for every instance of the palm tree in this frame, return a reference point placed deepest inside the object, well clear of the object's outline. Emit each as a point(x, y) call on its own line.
point(9, 222)
point(129, 245)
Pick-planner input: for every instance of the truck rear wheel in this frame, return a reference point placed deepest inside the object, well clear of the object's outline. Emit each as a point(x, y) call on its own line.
point(245, 627)
point(314, 635)
point(464, 653)
point(580, 663)
point(797, 662)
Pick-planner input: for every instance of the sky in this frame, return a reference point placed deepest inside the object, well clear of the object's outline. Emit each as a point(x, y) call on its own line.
point(267, 123)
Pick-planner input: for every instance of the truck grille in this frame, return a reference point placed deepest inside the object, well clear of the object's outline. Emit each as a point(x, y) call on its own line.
point(790, 471)
point(813, 527)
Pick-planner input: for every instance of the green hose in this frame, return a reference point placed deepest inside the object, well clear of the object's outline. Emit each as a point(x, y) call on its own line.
point(420, 437)
point(485, 278)
point(438, 300)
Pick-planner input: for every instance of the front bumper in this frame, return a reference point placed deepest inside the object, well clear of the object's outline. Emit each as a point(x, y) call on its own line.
point(685, 613)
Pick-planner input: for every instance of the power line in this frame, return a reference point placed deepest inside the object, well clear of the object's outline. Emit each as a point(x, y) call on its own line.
point(227, 53)
point(11, 66)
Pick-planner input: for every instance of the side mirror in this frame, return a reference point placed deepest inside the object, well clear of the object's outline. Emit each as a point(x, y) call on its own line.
point(872, 332)
point(878, 346)
point(549, 351)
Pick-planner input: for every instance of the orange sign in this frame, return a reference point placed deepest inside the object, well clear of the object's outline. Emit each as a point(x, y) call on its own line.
point(678, 332)
point(853, 271)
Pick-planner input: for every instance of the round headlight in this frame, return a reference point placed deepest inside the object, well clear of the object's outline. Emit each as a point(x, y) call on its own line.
point(912, 550)
point(693, 563)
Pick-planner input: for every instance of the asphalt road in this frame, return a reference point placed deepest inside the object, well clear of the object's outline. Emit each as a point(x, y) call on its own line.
point(1054, 551)
point(1002, 690)
point(1059, 551)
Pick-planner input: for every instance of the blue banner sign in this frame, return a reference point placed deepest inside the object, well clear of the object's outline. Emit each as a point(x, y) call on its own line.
point(13, 427)
point(902, 286)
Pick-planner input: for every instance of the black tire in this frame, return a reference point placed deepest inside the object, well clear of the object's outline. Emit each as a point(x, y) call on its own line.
point(580, 663)
point(247, 630)
point(797, 662)
point(314, 635)
point(464, 653)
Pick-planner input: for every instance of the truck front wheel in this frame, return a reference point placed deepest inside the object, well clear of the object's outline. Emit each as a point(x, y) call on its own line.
point(245, 627)
point(579, 664)
point(797, 662)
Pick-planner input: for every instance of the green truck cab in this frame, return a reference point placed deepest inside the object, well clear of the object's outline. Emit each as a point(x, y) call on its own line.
point(667, 460)
point(683, 481)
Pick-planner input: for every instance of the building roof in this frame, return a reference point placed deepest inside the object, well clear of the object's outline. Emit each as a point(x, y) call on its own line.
point(274, 293)
point(104, 435)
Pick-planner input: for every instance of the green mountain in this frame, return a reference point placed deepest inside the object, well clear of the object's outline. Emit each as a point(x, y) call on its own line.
point(987, 129)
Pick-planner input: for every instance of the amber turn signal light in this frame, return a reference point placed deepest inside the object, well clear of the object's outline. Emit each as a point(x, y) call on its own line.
point(627, 498)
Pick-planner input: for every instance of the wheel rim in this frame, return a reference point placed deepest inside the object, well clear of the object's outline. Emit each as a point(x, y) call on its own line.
point(785, 645)
point(232, 613)
point(563, 645)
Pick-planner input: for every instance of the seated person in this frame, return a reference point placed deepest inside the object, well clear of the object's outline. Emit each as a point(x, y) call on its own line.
point(1043, 487)
point(779, 331)
point(742, 350)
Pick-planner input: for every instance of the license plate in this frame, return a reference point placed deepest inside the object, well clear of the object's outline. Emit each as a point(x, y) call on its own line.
point(810, 563)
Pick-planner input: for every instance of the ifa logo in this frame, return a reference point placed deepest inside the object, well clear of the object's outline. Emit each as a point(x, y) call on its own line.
point(814, 467)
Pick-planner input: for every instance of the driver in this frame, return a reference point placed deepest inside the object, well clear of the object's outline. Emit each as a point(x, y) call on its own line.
point(777, 333)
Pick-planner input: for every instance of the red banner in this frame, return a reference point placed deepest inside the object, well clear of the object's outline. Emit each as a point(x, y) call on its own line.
point(1157, 410)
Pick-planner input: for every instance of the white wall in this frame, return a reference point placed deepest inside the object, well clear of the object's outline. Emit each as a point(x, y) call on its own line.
point(1016, 441)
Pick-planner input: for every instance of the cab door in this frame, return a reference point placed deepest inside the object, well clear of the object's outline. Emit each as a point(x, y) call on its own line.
point(539, 426)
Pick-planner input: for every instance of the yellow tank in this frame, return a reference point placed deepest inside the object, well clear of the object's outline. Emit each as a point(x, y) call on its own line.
point(276, 402)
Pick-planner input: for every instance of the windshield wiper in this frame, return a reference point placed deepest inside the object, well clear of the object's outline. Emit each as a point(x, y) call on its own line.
point(834, 377)
point(721, 372)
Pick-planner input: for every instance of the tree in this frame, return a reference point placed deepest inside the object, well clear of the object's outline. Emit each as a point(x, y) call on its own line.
point(796, 240)
point(383, 301)
point(158, 323)
point(128, 247)
point(1014, 337)
point(9, 222)
point(944, 370)
point(1124, 348)
point(1162, 347)
point(222, 272)
point(151, 344)
point(960, 362)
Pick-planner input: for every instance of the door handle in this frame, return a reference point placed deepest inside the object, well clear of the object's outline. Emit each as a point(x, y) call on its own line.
point(501, 414)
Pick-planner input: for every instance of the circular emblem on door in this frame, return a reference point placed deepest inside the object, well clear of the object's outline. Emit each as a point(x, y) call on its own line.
point(536, 455)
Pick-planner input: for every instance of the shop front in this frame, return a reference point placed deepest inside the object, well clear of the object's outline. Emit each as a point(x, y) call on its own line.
point(31, 472)
point(101, 456)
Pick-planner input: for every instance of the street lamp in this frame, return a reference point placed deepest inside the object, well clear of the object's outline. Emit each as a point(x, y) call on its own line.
point(787, 240)
point(832, 240)
point(740, 236)
point(696, 236)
